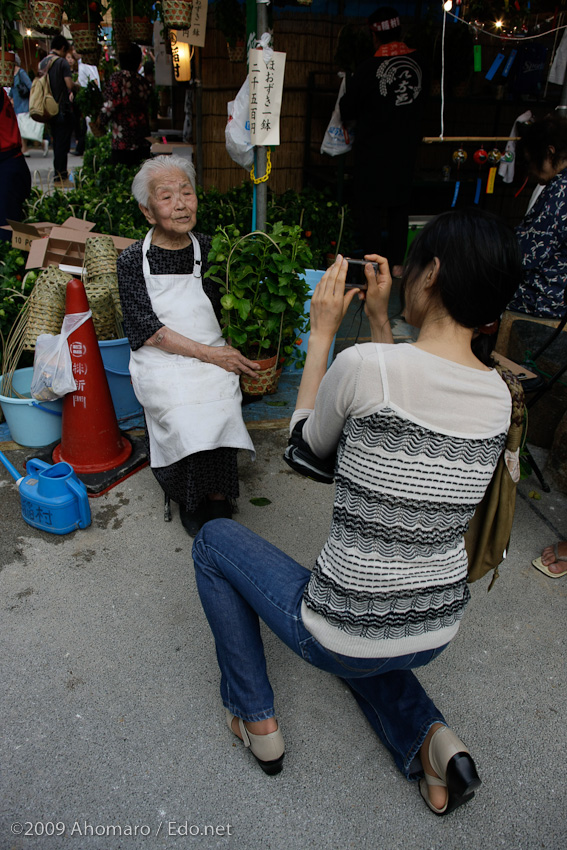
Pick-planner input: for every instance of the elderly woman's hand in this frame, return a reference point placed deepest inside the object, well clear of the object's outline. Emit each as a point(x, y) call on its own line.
point(230, 359)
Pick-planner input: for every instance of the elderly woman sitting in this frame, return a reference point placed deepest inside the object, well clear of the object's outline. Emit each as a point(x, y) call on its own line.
point(183, 373)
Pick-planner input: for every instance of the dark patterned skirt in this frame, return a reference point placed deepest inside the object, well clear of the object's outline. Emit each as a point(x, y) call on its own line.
point(192, 478)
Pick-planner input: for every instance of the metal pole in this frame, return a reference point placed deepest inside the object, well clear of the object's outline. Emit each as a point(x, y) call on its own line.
point(199, 118)
point(561, 108)
point(261, 158)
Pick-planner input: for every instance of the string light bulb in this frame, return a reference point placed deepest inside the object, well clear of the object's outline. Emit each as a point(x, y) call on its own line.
point(498, 24)
point(448, 5)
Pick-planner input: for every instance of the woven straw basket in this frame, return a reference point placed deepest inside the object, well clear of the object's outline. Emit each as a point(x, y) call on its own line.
point(177, 14)
point(85, 40)
point(101, 286)
point(6, 69)
point(121, 33)
point(46, 306)
point(48, 16)
point(142, 32)
point(266, 380)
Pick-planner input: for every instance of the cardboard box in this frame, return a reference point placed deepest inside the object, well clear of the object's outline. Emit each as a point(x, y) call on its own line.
point(24, 234)
point(178, 148)
point(66, 246)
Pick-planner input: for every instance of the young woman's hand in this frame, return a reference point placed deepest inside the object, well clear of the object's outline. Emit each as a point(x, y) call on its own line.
point(377, 296)
point(330, 302)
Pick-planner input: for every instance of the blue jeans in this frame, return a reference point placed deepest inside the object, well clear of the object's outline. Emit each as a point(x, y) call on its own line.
point(241, 577)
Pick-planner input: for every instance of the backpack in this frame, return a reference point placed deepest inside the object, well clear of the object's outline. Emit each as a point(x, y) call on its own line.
point(43, 106)
point(488, 534)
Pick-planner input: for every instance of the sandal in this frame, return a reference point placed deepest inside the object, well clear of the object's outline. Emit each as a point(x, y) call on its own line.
point(451, 760)
point(268, 750)
point(544, 568)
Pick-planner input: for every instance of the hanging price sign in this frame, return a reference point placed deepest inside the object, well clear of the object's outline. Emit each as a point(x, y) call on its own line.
point(195, 35)
point(266, 87)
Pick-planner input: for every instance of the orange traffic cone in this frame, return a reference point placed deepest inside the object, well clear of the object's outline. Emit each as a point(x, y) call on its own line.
point(91, 441)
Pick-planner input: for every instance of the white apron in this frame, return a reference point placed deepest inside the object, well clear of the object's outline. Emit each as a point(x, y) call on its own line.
point(190, 406)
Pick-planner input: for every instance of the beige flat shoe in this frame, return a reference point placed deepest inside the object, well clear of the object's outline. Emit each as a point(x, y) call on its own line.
point(268, 750)
point(452, 761)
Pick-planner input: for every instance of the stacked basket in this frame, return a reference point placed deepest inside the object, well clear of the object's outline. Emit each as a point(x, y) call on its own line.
point(101, 286)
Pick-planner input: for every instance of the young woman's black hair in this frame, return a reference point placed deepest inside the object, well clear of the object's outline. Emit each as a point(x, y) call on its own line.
point(386, 13)
point(131, 59)
point(480, 268)
point(537, 138)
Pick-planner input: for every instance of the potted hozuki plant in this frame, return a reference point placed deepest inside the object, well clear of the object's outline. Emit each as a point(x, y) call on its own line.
point(261, 276)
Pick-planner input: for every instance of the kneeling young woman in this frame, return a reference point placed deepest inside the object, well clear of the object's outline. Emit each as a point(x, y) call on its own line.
point(418, 430)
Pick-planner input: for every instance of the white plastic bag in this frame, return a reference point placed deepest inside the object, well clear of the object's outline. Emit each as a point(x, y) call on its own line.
point(237, 131)
point(52, 366)
point(337, 139)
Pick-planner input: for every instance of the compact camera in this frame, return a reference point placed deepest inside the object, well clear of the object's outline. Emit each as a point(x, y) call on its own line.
point(355, 278)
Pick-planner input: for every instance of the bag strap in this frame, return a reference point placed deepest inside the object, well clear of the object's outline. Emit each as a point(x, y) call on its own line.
point(514, 436)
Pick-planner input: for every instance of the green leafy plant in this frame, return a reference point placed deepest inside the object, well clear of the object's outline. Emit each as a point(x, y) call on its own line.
point(83, 11)
point(327, 225)
point(89, 100)
point(15, 286)
point(263, 291)
point(230, 18)
point(101, 195)
point(123, 10)
point(10, 37)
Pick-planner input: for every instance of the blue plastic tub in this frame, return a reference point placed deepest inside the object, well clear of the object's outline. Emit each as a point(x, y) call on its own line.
point(116, 359)
point(31, 423)
point(312, 276)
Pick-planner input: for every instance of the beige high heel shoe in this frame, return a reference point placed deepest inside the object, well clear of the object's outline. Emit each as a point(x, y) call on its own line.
point(268, 750)
point(451, 760)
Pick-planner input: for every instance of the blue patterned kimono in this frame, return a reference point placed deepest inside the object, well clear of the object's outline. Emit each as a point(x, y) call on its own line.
point(542, 236)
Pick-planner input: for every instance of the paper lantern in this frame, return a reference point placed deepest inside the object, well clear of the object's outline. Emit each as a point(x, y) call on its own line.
point(181, 58)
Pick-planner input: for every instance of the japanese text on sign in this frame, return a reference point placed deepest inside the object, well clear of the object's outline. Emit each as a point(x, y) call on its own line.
point(266, 86)
point(196, 33)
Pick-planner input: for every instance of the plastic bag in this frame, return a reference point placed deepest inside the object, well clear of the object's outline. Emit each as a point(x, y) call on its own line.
point(337, 139)
point(237, 131)
point(52, 366)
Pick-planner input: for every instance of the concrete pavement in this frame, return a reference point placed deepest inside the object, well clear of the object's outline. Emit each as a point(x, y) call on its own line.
point(112, 722)
point(41, 167)
point(113, 734)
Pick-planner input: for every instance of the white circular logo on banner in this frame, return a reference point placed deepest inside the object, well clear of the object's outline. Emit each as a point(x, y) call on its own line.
point(400, 76)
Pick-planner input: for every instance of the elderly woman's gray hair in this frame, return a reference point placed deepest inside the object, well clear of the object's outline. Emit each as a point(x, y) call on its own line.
point(156, 168)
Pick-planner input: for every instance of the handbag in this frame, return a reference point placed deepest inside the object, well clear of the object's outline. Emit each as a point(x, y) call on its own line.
point(488, 534)
point(237, 131)
point(29, 129)
point(337, 139)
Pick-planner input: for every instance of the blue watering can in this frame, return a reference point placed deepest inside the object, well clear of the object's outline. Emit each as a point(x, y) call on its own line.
point(53, 498)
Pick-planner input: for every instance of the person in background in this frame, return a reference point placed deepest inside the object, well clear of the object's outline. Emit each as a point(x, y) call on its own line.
point(553, 560)
point(88, 72)
point(126, 100)
point(385, 98)
point(20, 94)
point(88, 69)
point(60, 127)
point(543, 232)
point(15, 177)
